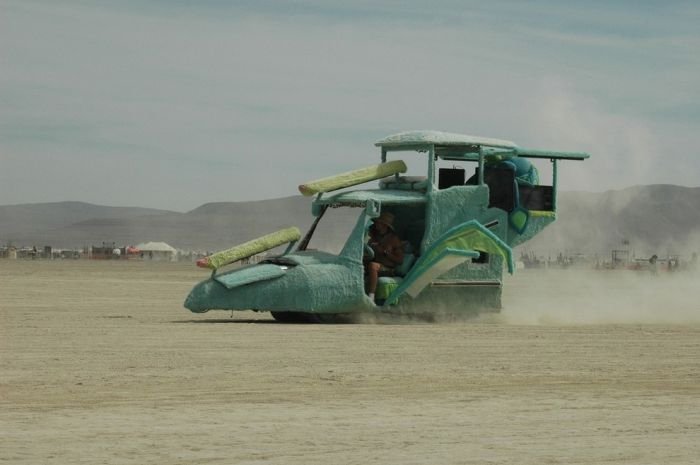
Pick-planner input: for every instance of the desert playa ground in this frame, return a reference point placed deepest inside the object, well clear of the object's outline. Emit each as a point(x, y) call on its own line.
point(99, 363)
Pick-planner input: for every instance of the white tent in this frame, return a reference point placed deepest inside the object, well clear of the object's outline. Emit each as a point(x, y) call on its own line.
point(157, 251)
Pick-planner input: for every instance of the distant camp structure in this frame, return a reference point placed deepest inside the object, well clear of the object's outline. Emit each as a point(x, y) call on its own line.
point(156, 251)
point(159, 251)
point(110, 251)
point(47, 252)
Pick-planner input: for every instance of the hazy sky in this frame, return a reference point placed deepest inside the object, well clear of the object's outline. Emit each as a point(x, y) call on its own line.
point(172, 103)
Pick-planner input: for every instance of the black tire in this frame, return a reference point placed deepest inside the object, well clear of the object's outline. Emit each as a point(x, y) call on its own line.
point(314, 318)
point(294, 317)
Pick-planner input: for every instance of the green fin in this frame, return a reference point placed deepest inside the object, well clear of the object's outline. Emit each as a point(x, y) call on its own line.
point(518, 219)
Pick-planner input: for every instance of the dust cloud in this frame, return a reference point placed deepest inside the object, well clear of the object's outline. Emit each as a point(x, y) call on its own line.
point(580, 297)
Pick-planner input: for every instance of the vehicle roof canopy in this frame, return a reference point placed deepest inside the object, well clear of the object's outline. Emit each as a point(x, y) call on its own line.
point(416, 140)
point(453, 146)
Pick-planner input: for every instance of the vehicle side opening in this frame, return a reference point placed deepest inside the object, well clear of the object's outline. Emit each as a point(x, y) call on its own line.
point(507, 190)
point(537, 197)
point(501, 182)
point(409, 225)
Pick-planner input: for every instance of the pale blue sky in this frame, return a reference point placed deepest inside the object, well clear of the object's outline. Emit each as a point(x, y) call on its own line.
point(171, 104)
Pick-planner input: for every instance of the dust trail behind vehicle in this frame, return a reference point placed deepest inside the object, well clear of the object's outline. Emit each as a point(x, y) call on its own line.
point(556, 297)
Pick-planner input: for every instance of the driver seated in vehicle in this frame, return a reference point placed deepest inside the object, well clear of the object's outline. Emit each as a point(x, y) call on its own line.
point(388, 251)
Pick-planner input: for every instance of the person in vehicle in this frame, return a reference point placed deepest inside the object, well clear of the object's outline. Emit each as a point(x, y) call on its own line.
point(388, 251)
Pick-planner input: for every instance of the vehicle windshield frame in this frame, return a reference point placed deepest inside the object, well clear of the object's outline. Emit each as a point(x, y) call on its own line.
point(309, 235)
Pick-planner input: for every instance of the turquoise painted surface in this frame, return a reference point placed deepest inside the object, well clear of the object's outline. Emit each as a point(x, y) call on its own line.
point(250, 274)
point(455, 278)
point(458, 245)
point(410, 139)
point(380, 196)
point(319, 285)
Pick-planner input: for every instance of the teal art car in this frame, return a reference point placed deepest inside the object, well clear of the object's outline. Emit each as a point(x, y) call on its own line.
point(459, 224)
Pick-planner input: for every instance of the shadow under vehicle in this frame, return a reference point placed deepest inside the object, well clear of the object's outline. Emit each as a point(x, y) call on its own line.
point(458, 228)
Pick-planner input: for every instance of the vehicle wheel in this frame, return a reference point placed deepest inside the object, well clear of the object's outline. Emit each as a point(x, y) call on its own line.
point(314, 318)
point(294, 317)
point(336, 318)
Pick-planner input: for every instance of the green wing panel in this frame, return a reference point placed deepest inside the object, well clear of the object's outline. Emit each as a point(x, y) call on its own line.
point(471, 235)
point(251, 274)
point(439, 265)
point(454, 247)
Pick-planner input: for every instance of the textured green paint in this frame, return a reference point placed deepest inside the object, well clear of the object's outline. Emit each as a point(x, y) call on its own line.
point(416, 140)
point(250, 274)
point(446, 229)
point(386, 286)
point(353, 178)
point(427, 271)
point(320, 283)
point(551, 155)
point(535, 225)
point(447, 302)
point(555, 180)
point(519, 219)
point(250, 248)
point(383, 197)
point(431, 169)
point(448, 208)
point(469, 236)
point(451, 249)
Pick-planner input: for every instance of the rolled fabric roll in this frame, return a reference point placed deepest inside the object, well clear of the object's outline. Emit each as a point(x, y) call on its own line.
point(250, 248)
point(352, 178)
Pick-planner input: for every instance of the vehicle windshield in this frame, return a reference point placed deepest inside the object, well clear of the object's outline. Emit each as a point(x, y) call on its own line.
point(334, 229)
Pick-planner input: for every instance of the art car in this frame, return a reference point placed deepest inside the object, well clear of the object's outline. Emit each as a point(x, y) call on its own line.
point(458, 225)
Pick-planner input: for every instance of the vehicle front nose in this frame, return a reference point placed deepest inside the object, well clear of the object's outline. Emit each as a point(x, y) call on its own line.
point(229, 292)
point(328, 287)
point(199, 298)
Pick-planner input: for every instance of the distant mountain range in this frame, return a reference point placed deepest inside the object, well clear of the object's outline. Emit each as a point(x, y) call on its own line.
point(649, 218)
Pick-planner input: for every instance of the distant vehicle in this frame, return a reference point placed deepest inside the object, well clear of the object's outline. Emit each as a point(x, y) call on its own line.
point(459, 232)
